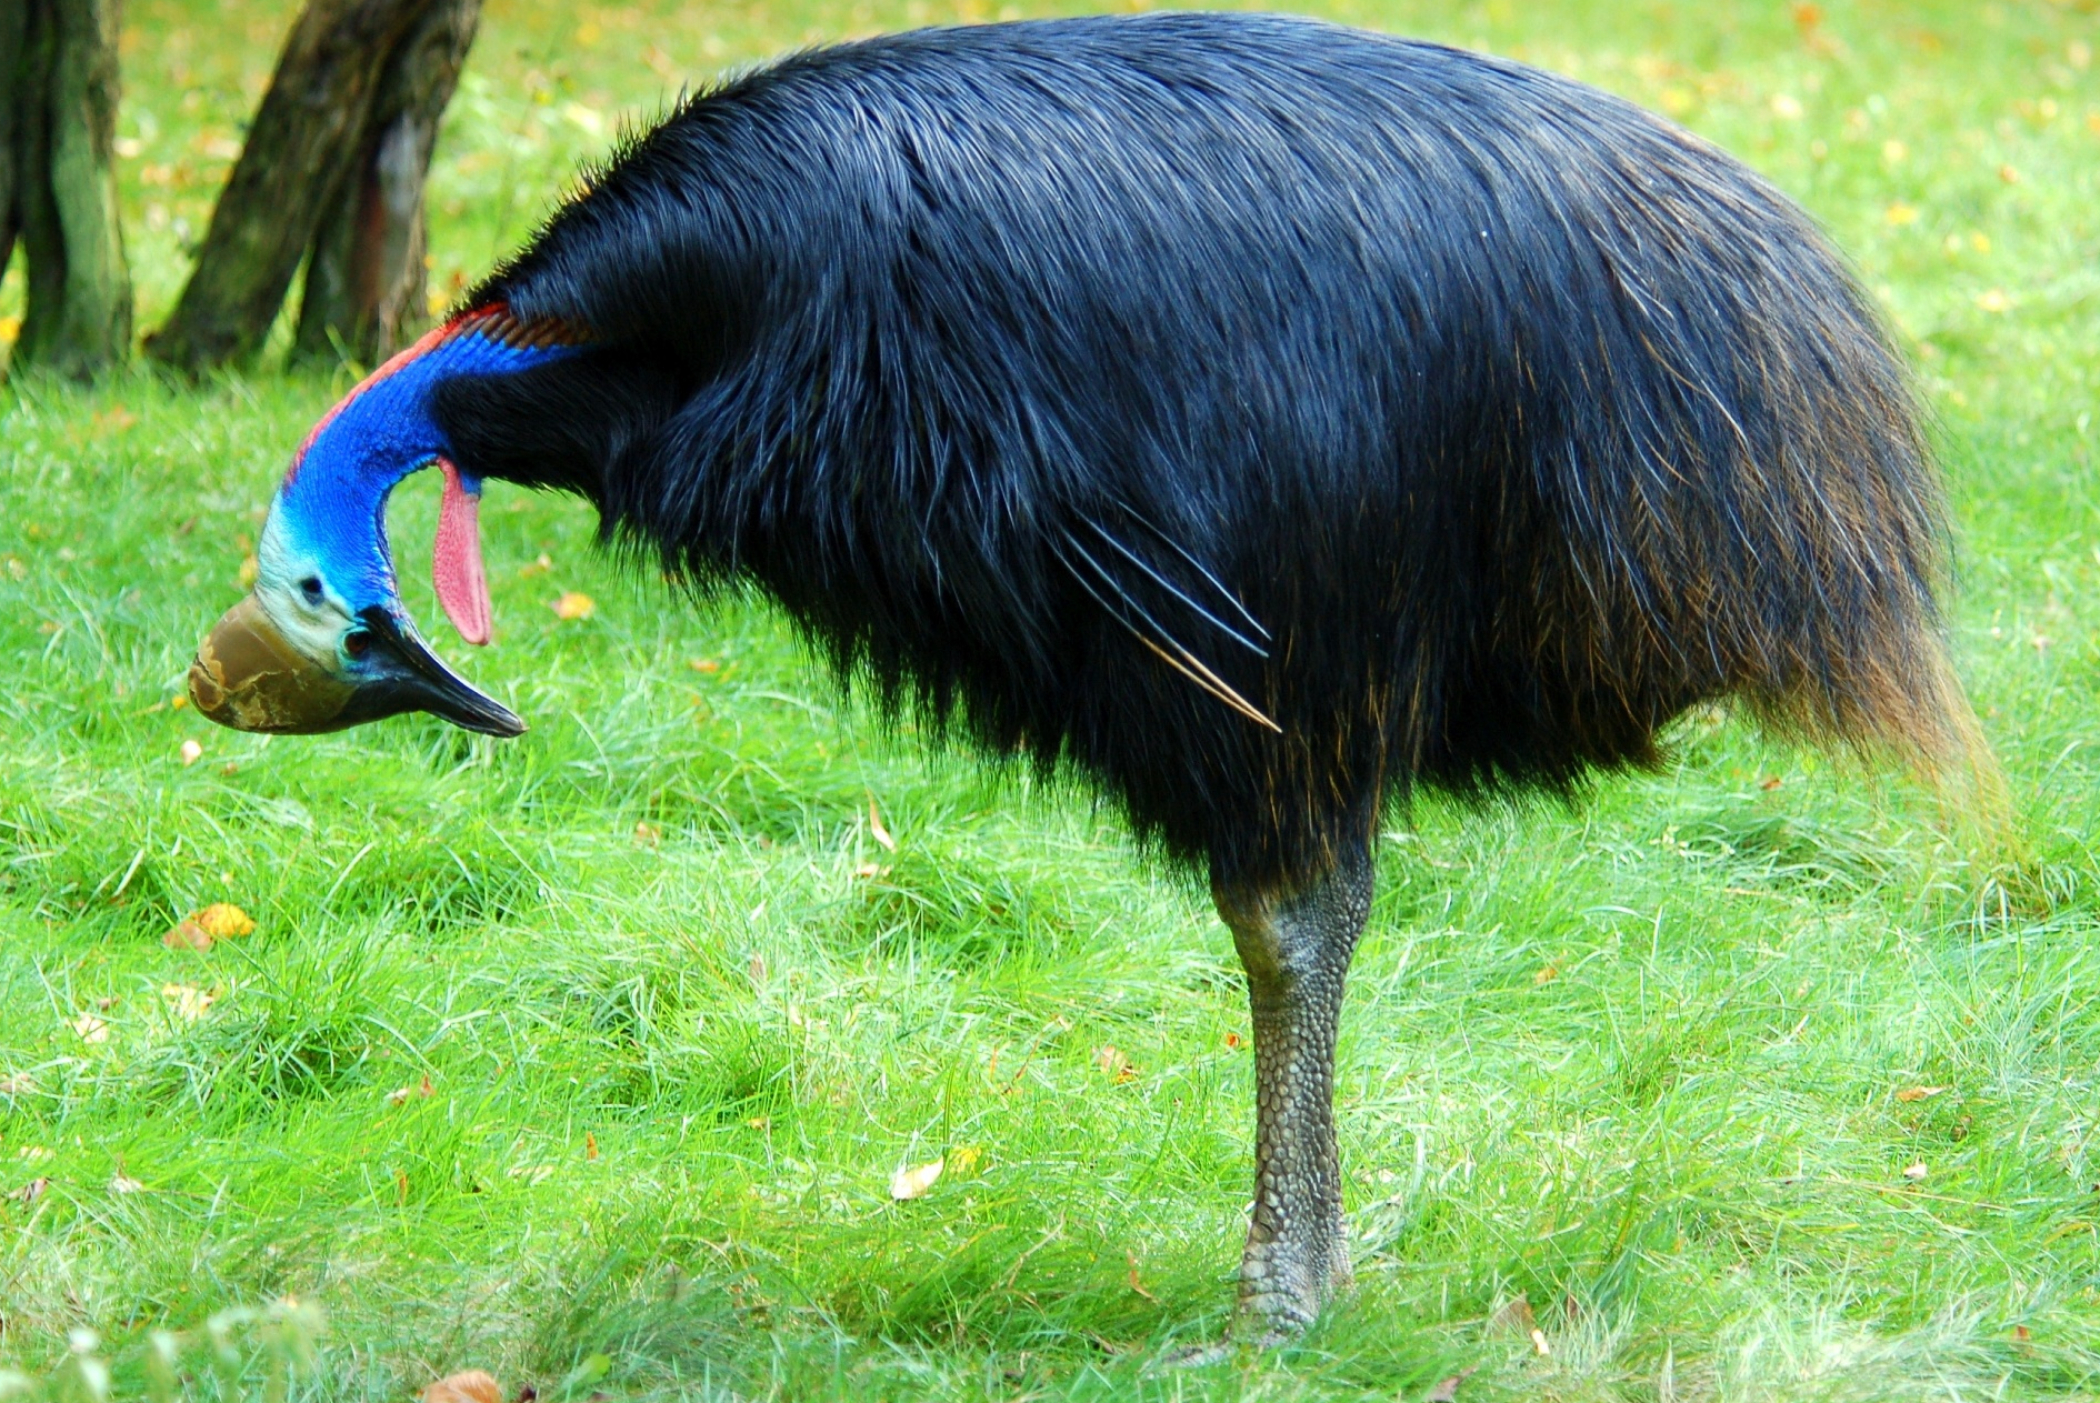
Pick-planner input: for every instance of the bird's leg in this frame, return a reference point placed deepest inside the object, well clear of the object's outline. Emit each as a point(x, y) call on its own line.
point(1295, 944)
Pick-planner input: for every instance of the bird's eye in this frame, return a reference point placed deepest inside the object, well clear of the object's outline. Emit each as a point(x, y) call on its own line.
point(311, 588)
point(357, 643)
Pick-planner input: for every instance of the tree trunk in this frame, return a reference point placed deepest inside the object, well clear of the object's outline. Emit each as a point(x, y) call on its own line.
point(306, 132)
point(59, 93)
point(14, 36)
point(364, 278)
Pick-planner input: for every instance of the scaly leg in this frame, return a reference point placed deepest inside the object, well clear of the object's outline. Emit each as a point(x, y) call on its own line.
point(1295, 945)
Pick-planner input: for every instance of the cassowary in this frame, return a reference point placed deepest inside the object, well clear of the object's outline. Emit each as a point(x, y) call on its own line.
point(1256, 418)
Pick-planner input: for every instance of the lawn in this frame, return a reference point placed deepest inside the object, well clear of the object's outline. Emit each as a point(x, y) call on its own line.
point(588, 1058)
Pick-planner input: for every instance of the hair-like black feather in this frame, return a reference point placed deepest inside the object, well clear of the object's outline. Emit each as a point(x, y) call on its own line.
point(1258, 416)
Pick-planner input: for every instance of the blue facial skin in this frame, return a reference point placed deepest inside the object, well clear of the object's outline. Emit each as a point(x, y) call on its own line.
point(329, 516)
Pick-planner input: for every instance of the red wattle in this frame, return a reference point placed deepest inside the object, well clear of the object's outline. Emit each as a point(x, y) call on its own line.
point(455, 563)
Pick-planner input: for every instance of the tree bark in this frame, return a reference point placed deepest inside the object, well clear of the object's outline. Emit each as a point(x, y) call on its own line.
point(308, 128)
point(14, 36)
point(60, 96)
point(365, 284)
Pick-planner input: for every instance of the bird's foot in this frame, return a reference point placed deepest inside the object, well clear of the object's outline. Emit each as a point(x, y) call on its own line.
point(1284, 1284)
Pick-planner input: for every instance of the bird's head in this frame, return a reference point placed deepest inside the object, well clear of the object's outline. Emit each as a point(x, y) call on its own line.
point(324, 641)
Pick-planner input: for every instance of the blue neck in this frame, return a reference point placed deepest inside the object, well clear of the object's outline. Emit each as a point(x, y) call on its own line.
point(332, 504)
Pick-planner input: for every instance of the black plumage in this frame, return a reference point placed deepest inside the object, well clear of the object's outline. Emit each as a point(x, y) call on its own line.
point(1256, 417)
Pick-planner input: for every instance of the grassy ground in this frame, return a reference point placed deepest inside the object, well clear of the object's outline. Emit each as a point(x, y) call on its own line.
point(1658, 1066)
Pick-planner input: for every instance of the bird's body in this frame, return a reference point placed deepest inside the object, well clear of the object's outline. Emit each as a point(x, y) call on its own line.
point(1258, 418)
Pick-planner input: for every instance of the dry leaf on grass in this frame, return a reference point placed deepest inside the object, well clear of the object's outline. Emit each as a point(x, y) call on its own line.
point(18, 1084)
point(1445, 1390)
point(1514, 1317)
point(590, 1145)
point(30, 1192)
point(186, 934)
point(1136, 1285)
point(191, 752)
point(187, 1002)
point(875, 828)
point(1916, 1172)
point(1920, 1093)
point(222, 920)
point(90, 1028)
point(402, 1095)
point(648, 834)
point(962, 1159)
point(574, 605)
point(913, 1182)
point(122, 1183)
point(468, 1386)
point(1114, 1065)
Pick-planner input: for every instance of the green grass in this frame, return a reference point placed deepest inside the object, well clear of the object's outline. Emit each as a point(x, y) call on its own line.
point(1637, 1062)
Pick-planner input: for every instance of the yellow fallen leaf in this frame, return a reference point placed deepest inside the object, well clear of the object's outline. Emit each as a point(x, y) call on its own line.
point(538, 567)
point(33, 1154)
point(469, 1386)
point(908, 1183)
point(222, 920)
point(187, 1001)
point(1916, 1172)
point(590, 1145)
point(191, 752)
point(875, 828)
point(1538, 1342)
point(1919, 1093)
point(90, 1028)
point(963, 1158)
point(1113, 1064)
point(704, 665)
point(574, 605)
point(648, 834)
point(1900, 214)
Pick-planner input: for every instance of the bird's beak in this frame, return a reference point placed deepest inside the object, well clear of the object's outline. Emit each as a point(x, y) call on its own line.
point(249, 676)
